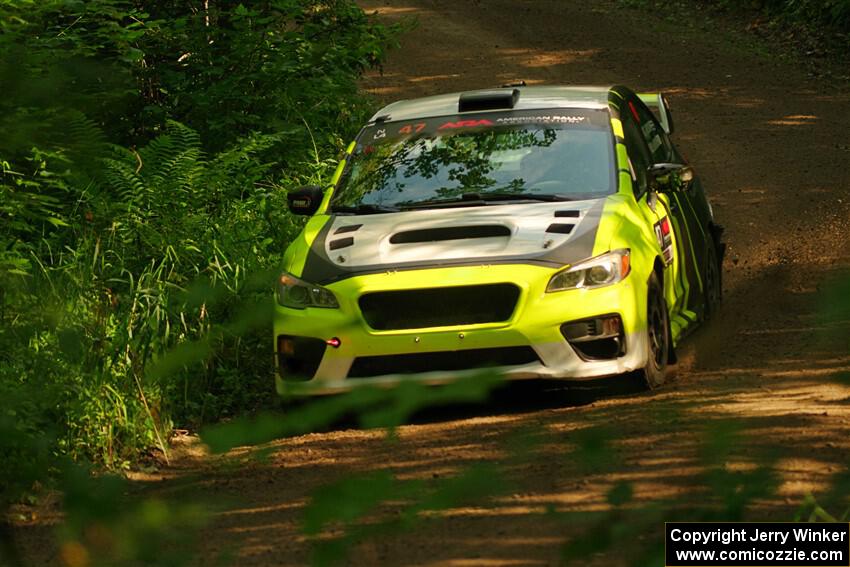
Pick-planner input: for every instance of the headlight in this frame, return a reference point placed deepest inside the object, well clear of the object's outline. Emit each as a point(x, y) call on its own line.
point(603, 270)
point(298, 294)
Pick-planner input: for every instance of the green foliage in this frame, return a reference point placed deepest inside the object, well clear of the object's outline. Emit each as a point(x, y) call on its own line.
point(831, 12)
point(354, 508)
point(374, 408)
point(806, 13)
point(105, 526)
point(146, 152)
point(352, 504)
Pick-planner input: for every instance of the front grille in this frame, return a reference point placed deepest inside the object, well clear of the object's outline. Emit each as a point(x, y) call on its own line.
point(439, 307)
point(445, 361)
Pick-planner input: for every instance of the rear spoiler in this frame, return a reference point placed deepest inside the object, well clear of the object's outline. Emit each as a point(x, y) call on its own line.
point(657, 103)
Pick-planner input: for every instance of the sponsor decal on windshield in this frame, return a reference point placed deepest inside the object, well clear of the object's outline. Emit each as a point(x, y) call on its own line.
point(553, 119)
point(389, 131)
point(465, 124)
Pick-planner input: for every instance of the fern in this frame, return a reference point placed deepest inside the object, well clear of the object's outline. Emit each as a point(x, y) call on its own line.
point(81, 138)
point(121, 177)
point(174, 160)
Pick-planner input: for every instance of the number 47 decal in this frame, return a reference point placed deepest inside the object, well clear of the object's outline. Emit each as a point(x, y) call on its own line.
point(412, 128)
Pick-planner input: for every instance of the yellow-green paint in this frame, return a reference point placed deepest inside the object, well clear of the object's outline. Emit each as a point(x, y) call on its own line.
point(625, 170)
point(536, 319)
point(626, 222)
point(296, 255)
point(693, 254)
point(335, 179)
point(617, 126)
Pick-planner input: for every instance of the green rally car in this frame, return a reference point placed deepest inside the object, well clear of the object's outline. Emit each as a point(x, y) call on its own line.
point(547, 231)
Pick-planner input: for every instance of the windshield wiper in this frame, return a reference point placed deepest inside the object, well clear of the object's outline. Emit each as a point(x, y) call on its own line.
point(478, 199)
point(364, 209)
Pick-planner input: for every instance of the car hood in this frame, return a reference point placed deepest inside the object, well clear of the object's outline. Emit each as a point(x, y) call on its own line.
point(552, 234)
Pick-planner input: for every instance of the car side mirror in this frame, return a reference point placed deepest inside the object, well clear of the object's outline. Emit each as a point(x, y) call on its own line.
point(663, 176)
point(305, 200)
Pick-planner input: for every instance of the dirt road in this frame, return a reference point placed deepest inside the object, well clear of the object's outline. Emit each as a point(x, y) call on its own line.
point(771, 146)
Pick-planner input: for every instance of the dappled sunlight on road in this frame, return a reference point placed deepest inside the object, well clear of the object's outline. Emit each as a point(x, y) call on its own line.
point(795, 120)
point(533, 58)
point(767, 377)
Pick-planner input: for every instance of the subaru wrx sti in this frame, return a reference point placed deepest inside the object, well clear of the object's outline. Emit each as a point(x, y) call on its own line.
point(546, 232)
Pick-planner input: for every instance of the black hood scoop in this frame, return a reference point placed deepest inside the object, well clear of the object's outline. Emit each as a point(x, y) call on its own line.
point(450, 233)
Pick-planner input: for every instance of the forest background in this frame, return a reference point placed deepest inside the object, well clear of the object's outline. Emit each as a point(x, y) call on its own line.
point(146, 148)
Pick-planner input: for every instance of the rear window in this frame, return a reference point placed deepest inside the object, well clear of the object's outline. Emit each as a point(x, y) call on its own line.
point(564, 152)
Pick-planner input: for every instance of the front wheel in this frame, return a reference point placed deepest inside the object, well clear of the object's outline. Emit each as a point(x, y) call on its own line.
point(658, 342)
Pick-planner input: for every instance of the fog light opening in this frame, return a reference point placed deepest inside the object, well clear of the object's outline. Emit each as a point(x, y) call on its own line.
point(599, 338)
point(285, 346)
point(611, 326)
point(298, 358)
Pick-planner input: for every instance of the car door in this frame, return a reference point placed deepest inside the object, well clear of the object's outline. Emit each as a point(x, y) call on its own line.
point(677, 194)
point(656, 214)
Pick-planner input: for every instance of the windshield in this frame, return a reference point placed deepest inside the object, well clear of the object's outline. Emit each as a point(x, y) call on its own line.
point(566, 154)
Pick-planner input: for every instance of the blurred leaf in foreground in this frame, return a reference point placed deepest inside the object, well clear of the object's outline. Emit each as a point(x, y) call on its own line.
point(375, 407)
point(106, 526)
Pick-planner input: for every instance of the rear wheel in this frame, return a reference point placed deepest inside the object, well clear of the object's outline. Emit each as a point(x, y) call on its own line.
point(658, 342)
point(713, 282)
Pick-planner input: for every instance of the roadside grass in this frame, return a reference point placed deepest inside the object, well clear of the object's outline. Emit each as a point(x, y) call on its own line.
point(136, 272)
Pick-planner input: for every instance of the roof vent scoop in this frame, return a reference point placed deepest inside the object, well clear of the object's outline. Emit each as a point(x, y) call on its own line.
point(488, 100)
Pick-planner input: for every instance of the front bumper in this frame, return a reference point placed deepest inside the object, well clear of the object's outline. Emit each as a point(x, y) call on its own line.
point(535, 325)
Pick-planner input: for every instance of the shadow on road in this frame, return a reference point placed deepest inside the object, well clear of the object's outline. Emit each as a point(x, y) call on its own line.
point(532, 396)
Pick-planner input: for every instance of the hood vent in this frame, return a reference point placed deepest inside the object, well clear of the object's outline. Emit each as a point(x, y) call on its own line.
point(559, 228)
point(569, 214)
point(341, 243)
point(348, 228)
point(450, 233)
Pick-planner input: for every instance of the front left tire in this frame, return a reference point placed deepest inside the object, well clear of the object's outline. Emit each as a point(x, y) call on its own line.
point(659, 344)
